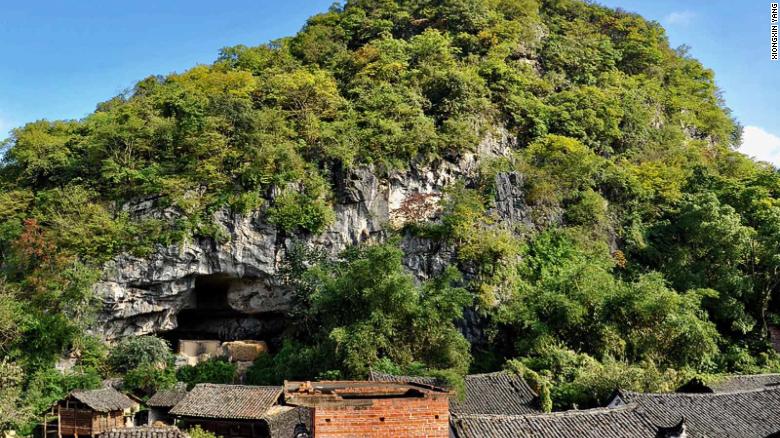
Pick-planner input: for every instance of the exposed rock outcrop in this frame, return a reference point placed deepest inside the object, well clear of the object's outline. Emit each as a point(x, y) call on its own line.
point(145, 295)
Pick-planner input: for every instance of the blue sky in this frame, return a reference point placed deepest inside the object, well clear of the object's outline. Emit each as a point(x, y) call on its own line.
point(61, 58)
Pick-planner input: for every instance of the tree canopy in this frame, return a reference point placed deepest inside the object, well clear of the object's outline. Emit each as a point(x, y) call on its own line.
point(650, 251)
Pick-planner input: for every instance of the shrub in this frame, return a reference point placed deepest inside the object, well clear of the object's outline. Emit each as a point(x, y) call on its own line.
point(293, 211)
point(294, 361)
point(132, 352)
point(12, 412)
point(579, 380)
point(198, 432)
point(148, 379)
point(217, 370)
point(589, 209)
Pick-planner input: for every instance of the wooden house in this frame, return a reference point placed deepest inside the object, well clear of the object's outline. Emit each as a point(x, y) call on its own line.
point(92, 412)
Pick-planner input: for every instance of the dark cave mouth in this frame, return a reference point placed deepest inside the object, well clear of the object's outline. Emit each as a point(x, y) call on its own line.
point(209, 316)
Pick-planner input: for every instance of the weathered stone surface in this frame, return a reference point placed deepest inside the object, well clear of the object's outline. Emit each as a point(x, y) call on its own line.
point(510, 200)
point(144, 295)
point(254, 297)
point(195, 348)
point(244, 351)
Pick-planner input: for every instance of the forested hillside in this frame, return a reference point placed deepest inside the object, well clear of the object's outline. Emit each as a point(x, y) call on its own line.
point(650, 253)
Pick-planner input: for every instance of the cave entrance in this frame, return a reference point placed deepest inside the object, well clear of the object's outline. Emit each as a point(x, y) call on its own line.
point(209, 316)
point(210, 293)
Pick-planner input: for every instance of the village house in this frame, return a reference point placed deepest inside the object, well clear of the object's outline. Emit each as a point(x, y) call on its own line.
point(752, 413)
point(501, 393)
point(161, 403)
point(623, 422)
point(92, 412)
point(372, 409)
point(238, 411)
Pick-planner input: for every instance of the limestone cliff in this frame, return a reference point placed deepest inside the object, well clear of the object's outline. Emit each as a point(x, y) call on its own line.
point(146, 295)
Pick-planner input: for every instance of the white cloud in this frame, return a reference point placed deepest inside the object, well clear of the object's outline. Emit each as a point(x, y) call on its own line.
point(682, 18)
point(760, 145)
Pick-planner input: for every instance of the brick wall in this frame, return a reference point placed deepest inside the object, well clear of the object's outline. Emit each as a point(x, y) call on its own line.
point(385, 417)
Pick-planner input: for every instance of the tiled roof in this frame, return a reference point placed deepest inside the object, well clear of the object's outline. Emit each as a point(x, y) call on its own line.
point(282, 420)
point(492, 393)
point(103, 399)
point(228, 401)
point(745, 382)
point(623, 422)
point(497, 393)
point(144, 432)
point(167, 398)
point(745, 414)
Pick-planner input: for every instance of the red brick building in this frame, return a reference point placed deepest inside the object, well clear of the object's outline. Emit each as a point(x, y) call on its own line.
point(372, 409)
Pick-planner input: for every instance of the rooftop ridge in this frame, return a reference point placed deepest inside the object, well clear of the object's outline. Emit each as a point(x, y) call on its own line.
point(699, 395)
point(222, 385)
point(493, 373)
point(571, 412)
point(750, 375)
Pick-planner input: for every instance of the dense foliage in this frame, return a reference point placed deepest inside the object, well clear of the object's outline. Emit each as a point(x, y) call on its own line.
point(364, 307)
point(649, 254)
point(215, 370)
point(137, 351)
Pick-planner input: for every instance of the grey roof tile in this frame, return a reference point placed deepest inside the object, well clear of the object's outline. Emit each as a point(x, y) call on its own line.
point(228, 401)
point(745, 414)
point(167, 398)
point(490, 393)
point(103, 399)
point(745, 382)
point(623, 422)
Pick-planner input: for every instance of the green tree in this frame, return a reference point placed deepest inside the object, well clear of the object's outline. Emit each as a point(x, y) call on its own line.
point(570, 295)
point(136, 351)
point(366, 307)
point(145, 380)
point(214, 370)
point(13, 412)
point(639, 222)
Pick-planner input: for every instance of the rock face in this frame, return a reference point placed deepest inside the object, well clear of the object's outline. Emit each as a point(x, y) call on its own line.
point(146, 295)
